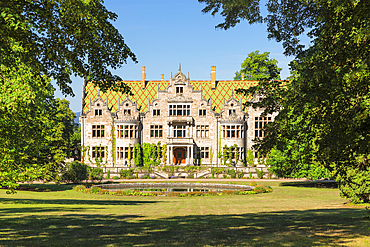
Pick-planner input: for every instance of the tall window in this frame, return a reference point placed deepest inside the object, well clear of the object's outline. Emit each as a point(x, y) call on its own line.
point(98, 152)
point(156, 131)
point(98, 131)
point(122, 153)
point(179, 110)
point(156, 112)
point(232, 131)
point(202, 112)
point(202, 131)
point(204, 152)
point(98, 112)
point(127, 131)
point(259, 123)
point(179, 131)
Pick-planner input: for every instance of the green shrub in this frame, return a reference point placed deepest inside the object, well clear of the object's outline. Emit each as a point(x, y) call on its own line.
point(260, 173)
point(81, 188)
point(253, 183)
point(108, 174)
point(145, 176)
point(115, 177)
point(246, 192)
point(355, 184)
point(231, 172)
point(240, 174)
point(230, 192)
point(194, 193)
point(262, 189)
point(212, 193)
point(95, 173)
point(95, 189)
point(126, 174)
point(76, 172)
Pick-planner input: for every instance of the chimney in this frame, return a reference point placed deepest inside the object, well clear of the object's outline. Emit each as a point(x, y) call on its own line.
point(162, 77)
point(213, 76)
point(143, 76)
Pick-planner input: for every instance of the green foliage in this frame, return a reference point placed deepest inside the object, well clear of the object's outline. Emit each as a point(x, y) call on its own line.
point(63, 38)
point(324, 110)
point(95, 173)
point(76, 172)
point(138, 155)
point(36, 128)
point(260, 173)
point(231, 172)
point(108, 174)
point(250, 158)
point(355, 184)
point(257, 66)
point(151, 154)
point(240, 174)
point(164, 154)
point(237, 153)
point(129, 155)
point(74, 146)
point(216, 171)
point(262, 189)
point(280, 165)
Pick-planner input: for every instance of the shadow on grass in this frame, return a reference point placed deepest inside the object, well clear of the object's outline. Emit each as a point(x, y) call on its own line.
point(39, 187)
point(71, 201)
point(312, 184)
point(322, 227)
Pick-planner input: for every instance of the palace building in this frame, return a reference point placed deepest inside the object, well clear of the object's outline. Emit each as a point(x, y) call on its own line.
point(193, 118)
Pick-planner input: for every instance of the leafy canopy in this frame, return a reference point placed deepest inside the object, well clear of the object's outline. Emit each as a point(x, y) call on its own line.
point(63, 38)
point(256, 67)
point(324, 110)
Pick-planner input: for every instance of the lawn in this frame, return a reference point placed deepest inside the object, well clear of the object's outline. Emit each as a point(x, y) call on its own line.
point(289, 216)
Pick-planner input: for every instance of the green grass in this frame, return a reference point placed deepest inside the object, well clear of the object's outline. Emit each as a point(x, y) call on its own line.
point(289, 216)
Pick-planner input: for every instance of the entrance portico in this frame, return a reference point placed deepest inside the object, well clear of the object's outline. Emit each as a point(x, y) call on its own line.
point(180, 154)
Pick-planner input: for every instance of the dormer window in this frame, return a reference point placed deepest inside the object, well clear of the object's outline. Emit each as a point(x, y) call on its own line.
point(179, 90)
point(156, 112)
point(232, 112)
point(126, 112)
point(98, 112)
point(202, 112)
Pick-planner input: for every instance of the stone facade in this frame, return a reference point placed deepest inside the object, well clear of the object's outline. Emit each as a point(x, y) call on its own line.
point(179, 116)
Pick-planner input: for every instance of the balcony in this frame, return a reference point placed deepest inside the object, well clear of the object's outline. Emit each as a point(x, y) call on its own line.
point(185, 140)
point(180, 119)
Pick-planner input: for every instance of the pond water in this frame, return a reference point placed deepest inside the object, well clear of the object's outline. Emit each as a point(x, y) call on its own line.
point(175, 187)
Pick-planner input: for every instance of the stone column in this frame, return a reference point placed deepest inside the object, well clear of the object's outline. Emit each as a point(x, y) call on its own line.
point(168, 156)
point(187, 155)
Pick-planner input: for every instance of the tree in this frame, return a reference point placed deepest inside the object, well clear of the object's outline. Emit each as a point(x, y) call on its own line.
point(62, 38)
point(35, 128)
point(324, 110)
point(256, 67)
point(40, 41)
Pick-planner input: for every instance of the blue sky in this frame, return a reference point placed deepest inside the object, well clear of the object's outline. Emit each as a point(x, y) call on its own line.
point(164, 33)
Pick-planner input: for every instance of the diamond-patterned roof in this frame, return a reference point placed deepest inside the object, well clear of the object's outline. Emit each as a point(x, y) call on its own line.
point(223, 90)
